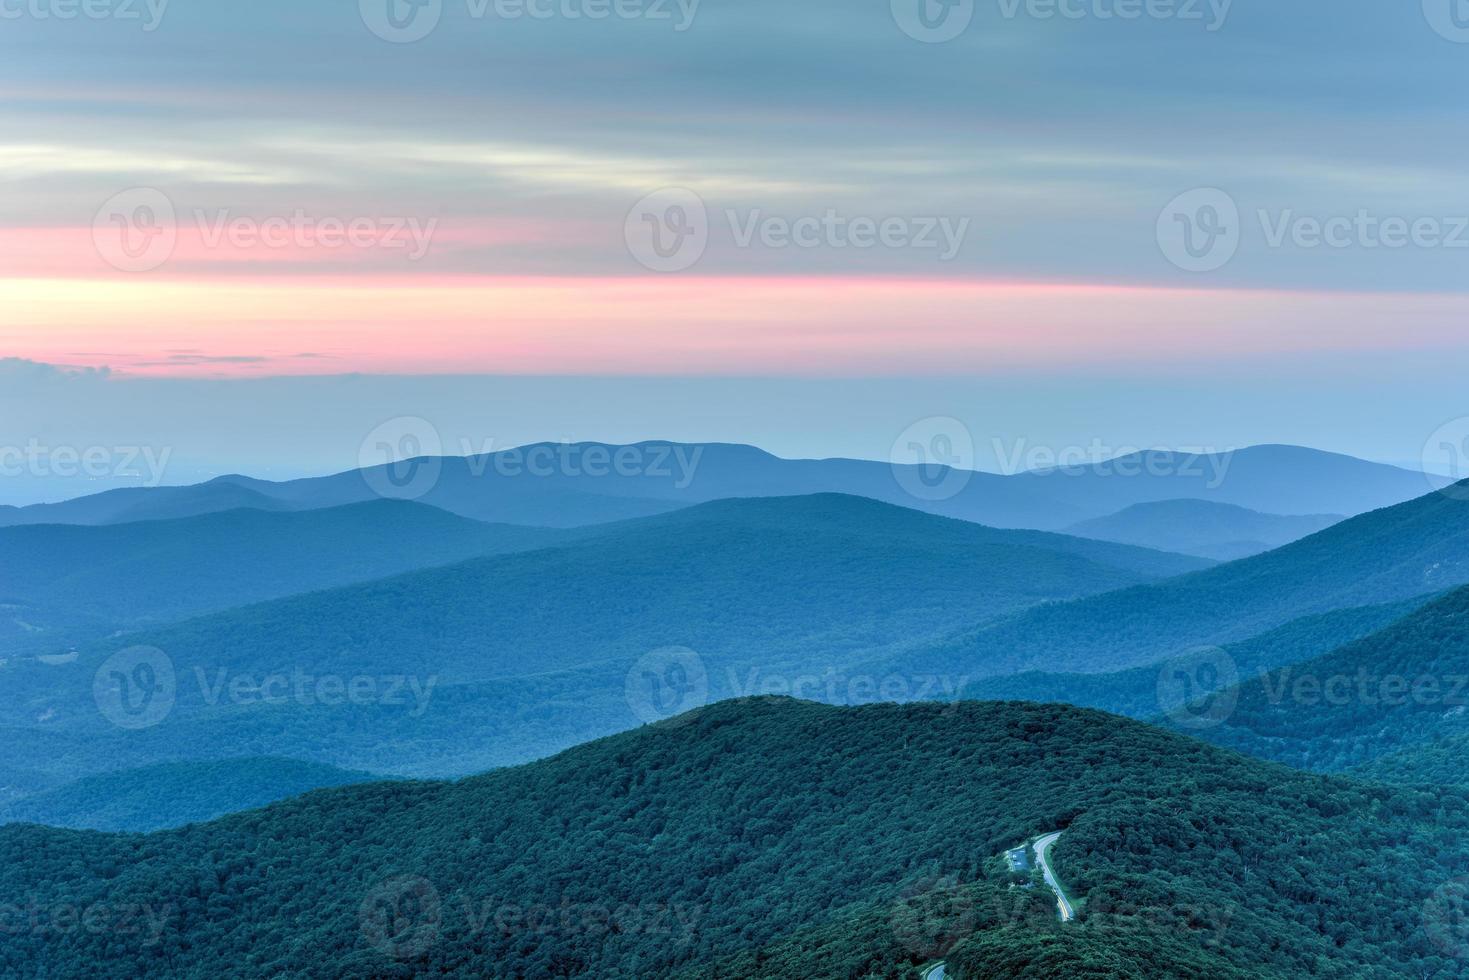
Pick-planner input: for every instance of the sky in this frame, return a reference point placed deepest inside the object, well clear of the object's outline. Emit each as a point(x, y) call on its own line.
point(1183, 222)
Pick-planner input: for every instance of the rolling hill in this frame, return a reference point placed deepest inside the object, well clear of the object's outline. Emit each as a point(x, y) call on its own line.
point(751, 837)
point(173, 794)
point(1414, 549)
point(1135, 692)
point(144, 504)
point(1201, 527)
point(151, 571)
point(1404, 686)
point(570, 485)
point(498, 660)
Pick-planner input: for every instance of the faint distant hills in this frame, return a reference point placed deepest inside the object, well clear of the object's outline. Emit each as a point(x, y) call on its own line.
point(1202, 527)
point(1417, 548)
point(520, 654)
point(554, 485)
point(157, 570)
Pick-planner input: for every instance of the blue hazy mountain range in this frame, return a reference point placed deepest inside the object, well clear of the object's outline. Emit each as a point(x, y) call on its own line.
point(520, 654)
point(1417, 548)
point(161, 570)
point(173, 794)
point(1203, 527)
point(582, 484)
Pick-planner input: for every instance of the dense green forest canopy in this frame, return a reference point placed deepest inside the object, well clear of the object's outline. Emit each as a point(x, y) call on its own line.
point(765, 827)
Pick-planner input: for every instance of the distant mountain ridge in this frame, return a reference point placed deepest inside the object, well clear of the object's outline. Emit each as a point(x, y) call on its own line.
point(1210, 529)
point(579, 484)
point(527, 653)
point(173, 794)
point(1413, 549)
point(155, 571)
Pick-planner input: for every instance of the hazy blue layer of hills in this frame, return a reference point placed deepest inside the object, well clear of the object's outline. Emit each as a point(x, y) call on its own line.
point(1405, 685)
point(150, 571)
point(1201, 527)
point(1135, 692)
point(753, 832)
point(566, 486)
point(498, 660)
point(144, 504)
point(173, 794)
point(1414, 549)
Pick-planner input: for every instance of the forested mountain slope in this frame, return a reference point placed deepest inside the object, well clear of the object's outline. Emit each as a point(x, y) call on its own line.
point(1202, 527)
point(750, 825)
point(1405, 685)
point(503, 659)
point(1414, 549)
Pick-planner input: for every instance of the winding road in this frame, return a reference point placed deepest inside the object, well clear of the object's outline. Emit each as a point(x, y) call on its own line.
point(1063, 904)
point(1064, 908)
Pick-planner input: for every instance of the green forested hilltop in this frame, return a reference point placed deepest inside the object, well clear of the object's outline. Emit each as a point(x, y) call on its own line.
point(683, 846)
